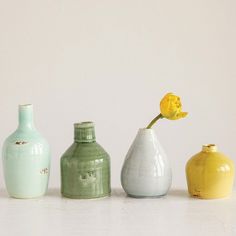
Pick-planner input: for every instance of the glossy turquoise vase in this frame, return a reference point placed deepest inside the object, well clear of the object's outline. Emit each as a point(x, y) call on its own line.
point(85, 166)
point(26, 158)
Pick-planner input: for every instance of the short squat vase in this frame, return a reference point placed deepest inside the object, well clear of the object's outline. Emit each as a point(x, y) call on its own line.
point(210, 174)
point(146, 171)
point(26, 158)
point(85, 166)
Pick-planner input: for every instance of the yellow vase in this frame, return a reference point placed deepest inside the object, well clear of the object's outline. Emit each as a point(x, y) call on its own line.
point(210, 174)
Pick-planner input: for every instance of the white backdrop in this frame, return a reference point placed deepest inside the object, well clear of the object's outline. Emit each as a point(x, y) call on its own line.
point(111, 62)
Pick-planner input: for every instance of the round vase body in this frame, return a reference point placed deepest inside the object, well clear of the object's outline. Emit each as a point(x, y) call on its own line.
point(85, 166)
point(210, 174)
point(26, 159)
point(146, 171)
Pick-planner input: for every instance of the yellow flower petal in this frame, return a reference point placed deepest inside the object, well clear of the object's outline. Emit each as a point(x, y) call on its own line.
point(171, 107)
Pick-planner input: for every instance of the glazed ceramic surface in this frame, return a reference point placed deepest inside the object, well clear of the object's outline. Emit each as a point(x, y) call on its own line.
point(26, 158)
point(146, 171)
point(85, 166)
point(210, 174)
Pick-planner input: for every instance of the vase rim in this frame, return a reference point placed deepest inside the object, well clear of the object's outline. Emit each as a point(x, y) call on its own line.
point(146, 130)
point(25, 105)
point(84, 124)
point(209, 147)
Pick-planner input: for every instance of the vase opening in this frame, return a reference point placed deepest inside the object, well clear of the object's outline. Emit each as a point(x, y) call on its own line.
point(85, 124)
point(209, 148)
point(25, 105)
point(146, 129)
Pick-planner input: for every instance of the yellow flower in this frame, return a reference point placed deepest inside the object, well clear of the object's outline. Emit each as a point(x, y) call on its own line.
point(171, 107)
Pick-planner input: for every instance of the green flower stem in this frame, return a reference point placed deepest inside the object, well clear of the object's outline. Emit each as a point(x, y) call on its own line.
point(160, 116)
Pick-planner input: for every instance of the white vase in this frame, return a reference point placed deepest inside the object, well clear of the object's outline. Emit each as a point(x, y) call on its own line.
point(146, 171)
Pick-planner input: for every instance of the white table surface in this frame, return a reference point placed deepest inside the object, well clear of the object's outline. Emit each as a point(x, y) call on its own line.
point(174, 214)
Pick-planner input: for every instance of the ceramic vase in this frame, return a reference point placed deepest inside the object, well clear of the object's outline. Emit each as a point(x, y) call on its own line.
point(26, 158)
point(146, 171)
point(210, 174)
point(85, 166)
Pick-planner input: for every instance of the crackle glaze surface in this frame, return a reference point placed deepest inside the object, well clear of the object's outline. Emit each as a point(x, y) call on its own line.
point(210, 174)
point(26, 158)
point(146, 171)
point(85, 167)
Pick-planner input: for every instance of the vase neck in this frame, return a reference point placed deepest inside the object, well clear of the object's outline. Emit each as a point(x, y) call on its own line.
point(84, 132)
point(146, 133)
point(26, 120)
point(145, 137)
point(209, 148)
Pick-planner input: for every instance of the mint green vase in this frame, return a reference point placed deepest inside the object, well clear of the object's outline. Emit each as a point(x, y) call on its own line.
point(26, 158)
point(85, 166)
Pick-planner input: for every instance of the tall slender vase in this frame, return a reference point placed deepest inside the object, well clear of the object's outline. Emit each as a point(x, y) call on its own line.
point(85, 166)
point(146, 171)
point(26, 158)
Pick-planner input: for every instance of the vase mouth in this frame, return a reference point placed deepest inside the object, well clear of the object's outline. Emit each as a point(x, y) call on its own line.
point(146, 130)
point(25, 105)
point(209, 148)
point(84, 124)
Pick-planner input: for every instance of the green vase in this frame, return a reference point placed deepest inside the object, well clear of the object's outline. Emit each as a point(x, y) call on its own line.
point(26, 158)
point(85, 166)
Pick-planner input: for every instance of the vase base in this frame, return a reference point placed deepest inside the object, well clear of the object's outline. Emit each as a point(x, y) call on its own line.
point(209, 197)
point(26, 197)
point(85, 197)
point(138, 196)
